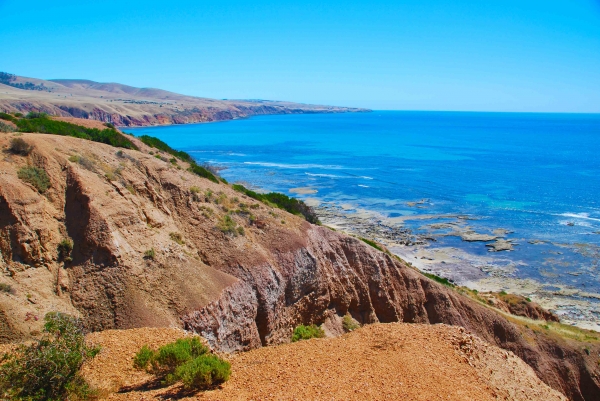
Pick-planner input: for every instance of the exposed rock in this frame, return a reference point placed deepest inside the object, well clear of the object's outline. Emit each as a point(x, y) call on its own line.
point(241, 291)
point(473, 236)
point(519, 306)
point(500, 245)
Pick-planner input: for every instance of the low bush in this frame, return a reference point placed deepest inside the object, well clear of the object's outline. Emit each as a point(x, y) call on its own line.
point(150, 253)
point(307, 332)
point(227, 225)
point(292, 205)
point(34, 122)
point(201, 171)
point(49, 368)
point(18, 146)
point(186, 360)
point(439, 279)
point(6, 127)
point(6, 288)
point(36, 114)
point(36, 177)
point(177, 238)
point(203, 372)
point(7, 117)
point(349, 324)
point(65, 247)
point(371, 243)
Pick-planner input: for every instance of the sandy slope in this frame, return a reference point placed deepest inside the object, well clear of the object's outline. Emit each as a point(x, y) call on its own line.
point(383, 361)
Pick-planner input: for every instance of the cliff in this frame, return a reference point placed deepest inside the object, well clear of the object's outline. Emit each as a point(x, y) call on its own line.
point(155, 245)
point(124, 105)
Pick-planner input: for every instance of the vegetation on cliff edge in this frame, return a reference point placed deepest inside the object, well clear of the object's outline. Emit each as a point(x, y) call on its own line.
point(201, 171)
point(48, 369)
point(42, 124)
point(292, 205)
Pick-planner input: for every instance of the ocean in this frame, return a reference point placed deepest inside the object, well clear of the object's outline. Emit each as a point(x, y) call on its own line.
point(457, 181)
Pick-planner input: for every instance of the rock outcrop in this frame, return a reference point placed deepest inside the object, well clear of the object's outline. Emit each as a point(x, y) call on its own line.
point(148, 251)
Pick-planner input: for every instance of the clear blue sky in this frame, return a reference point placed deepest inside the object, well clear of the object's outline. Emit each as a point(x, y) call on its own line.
point(508, 55)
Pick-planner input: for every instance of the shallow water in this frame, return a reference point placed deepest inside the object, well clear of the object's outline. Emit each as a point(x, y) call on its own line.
point(535, 175)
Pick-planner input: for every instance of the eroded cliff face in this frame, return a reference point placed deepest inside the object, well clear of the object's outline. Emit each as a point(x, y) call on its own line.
point(240, 291)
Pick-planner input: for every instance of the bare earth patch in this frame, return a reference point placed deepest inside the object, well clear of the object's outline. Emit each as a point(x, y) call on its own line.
point(383, 361)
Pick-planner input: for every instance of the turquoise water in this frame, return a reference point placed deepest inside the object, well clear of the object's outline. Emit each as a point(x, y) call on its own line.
point(537, 175)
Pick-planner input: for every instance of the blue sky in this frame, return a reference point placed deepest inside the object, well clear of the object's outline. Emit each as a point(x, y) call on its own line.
point(525, 55)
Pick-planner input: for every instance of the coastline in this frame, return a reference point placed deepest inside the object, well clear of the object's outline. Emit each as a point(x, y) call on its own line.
point(483, 274)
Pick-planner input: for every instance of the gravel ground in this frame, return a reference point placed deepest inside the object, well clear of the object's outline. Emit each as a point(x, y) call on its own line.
point(378, 362)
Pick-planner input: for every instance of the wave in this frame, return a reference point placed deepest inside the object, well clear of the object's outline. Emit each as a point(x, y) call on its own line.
point(324, 175)
point(297, 166)
point(585, 216)
point(364, 186)
point(365, 177)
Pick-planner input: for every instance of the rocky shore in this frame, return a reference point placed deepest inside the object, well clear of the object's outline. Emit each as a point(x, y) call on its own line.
point(481, 273)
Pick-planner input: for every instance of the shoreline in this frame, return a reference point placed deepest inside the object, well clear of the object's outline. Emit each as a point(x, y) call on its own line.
point(484, 274)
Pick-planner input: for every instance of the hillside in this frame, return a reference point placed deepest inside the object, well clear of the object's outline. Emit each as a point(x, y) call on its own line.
point(125, 105)
point(130, 238)
point(382, 361)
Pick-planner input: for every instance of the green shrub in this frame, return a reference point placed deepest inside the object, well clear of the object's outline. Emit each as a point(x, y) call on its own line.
point(371, 243)
point(201, 171)
point(150, 253)
point(65, 247)
point(36, 114)
point(18, 146)
point(439, 279)
point(227, 225)
point(349, 324)
point(36, 177)
point(7, 117)
point(292, 205)
point(143, 358)
point(158, 144)
point(172, 355)
point(45, 125)
point(49, 368)
point(202, 372)
point(307, 332)
point(186, 360)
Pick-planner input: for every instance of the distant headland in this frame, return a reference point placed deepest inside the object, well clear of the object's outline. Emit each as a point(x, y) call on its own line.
point(127, 106)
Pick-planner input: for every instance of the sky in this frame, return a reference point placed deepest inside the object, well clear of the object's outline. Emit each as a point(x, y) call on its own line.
point(479, 55)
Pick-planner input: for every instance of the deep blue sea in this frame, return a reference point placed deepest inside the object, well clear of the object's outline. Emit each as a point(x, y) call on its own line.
point(537, 175)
